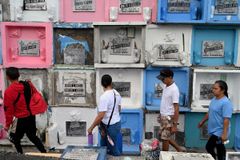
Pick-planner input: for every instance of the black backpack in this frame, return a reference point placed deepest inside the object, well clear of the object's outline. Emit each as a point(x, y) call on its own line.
point(27, 95)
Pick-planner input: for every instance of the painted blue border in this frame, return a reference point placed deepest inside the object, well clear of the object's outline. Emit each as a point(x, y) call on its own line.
point(203, 20)
point(217, 19)
point(187, 99)
point(132, 149)
point(235, 28)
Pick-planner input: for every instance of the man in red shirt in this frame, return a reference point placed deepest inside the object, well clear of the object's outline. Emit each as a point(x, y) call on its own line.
point(15, 106)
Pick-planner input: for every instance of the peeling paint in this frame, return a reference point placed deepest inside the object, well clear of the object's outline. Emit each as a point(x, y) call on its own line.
point(74, 97)
point(74, 46)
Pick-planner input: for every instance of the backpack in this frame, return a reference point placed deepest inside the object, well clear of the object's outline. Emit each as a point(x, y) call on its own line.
point(34, 100)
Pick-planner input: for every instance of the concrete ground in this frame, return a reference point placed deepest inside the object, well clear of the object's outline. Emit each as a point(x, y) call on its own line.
point(7, 152)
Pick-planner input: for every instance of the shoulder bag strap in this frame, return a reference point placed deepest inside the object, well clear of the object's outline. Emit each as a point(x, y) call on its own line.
point(112, 110)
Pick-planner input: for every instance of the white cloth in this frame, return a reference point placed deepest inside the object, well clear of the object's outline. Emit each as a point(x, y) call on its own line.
point(106, 105)
point(169, 97)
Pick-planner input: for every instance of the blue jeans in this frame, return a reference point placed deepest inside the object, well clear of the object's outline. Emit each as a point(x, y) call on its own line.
point(113, 131)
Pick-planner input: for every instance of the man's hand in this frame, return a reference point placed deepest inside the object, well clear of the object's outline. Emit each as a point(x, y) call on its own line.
point(200, 124)
point(96, 122)
point(90, 130)
point(224, 137)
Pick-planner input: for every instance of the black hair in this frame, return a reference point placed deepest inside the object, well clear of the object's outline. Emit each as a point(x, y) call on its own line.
point(223, 85)
point(167, 73)
point(106, 80)
point(12, 73)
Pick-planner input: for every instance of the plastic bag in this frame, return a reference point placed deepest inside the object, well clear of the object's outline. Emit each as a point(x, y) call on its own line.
point(150, 149)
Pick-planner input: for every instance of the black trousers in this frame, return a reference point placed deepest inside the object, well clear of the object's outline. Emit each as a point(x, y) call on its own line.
point(26, 125)
point(215, 142)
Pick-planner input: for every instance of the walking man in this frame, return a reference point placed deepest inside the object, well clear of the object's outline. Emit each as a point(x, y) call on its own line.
point(169, 110)
point(15, 106)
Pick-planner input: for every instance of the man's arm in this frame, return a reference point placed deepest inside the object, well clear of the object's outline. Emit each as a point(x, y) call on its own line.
point(176, 112)
point(9, 110)
point(96, 122)
point(175, 117)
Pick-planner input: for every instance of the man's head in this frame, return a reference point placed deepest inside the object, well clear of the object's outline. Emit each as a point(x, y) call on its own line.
point(12, 74)
point(106, 81)
point(166, 76)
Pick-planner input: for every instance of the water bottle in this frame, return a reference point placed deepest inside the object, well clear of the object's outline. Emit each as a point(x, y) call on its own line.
point(219, 141)
point(90, 139)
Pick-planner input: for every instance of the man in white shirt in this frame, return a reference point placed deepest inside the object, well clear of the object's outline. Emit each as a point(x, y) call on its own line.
point(169, 110)
point(109, 108)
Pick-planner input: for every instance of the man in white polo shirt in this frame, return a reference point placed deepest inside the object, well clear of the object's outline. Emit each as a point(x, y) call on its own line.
point(169, 110)
point(108, 117)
